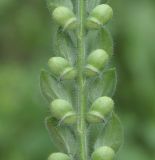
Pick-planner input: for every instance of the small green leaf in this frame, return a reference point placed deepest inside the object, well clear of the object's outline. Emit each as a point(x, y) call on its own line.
point(52, 88)
point(52, 4)
point(99, 40)
point(106, 41)
point(65, 46)
point(111, 135)
point(62, 136)
point(93, 132)
point(71, 88)
point(104, 85)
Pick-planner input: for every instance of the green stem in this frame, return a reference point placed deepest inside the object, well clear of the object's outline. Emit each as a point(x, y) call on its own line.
point(80, 80)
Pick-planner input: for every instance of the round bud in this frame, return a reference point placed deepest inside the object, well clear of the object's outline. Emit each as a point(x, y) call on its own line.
point(63, 111)
point(69, 73)
point(65, 17)
point(57, 65)
point(96, 61)
point(99, 16)
point(58, 156)
point(100, 109)
point(60, 67)
point(103, 153)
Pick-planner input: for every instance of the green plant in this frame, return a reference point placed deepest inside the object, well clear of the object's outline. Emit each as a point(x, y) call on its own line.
point(82, 122)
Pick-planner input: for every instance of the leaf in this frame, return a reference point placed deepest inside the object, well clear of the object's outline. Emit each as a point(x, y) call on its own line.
point(111, 135)
point(71, 88)
point(99, 40)
point(103, 86)
point(65, 46)
point(61, 136)
point(93, 132)
point(51, 88)
point(52, 4)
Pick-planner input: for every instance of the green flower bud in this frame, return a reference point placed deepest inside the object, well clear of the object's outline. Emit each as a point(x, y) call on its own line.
point(100, 109)
point(69, 73)
point(58, 156)
point(96, 61)
point(60, 67)
point(57, 65)
point(65, 17)
point(99, 16)
point(103, 153)
point(63, 111)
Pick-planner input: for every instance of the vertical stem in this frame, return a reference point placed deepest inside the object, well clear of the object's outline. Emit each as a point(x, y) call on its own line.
point(81, 126)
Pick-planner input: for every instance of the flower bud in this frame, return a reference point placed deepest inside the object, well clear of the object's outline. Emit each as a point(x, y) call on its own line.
point(99, 16)
point(69, 73)
point(60, 67)
point(57, 65)
point(65, 17)
point(63, 111)
point(103, 153)
point(100, 109)
point(58, 156)
point(96, 61)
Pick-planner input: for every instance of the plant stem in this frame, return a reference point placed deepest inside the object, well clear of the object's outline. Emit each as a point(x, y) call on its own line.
point(81, 126)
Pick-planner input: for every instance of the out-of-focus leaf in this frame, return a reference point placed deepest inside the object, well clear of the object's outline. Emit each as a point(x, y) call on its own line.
point(55, 3)
point(99, 40)
point(111, 135)
point(51, 88)
point(62, 136)
point(103, 85)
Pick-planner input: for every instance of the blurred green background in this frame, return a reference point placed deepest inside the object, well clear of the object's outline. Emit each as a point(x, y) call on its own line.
point(25, 46)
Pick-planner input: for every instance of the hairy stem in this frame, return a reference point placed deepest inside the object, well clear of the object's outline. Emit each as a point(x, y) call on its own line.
point(80, 80)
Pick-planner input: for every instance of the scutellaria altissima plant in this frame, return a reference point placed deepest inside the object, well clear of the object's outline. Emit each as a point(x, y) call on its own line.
point(81, 81)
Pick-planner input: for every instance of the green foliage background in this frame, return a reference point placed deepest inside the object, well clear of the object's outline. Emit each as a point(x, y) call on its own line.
point(25, 46)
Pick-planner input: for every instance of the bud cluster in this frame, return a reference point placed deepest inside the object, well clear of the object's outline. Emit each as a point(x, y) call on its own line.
point(96, 62)
point(99, 111)
point(102, 108)
point(98, 17)
point(101, 153)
